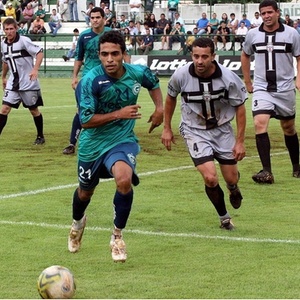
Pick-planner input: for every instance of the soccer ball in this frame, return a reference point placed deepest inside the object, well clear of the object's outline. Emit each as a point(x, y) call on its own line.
point(56, 282)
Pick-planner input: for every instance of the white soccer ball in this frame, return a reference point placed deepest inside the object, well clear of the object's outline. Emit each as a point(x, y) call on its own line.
point(56, 282)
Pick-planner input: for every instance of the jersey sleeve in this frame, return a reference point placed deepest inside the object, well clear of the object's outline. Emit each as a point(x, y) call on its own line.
point(30, 47)
point(149, 80)
point(79, 52)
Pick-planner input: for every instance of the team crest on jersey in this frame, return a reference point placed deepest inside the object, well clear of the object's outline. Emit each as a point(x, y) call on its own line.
point(136, 88)
point(270, 47)
point(131, 158)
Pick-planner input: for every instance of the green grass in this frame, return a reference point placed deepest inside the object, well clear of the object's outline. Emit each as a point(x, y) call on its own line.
point(175, 247)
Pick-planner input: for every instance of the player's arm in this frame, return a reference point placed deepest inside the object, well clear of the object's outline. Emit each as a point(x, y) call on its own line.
point(298, 73)
point(4, 74)
point(246, 61)
point(157, 117)
point(239, 147)
point(38, 61)
point(76, 69)
point(167, 137)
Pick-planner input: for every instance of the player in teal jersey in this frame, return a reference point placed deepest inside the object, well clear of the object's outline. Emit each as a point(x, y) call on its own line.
point(107, 100)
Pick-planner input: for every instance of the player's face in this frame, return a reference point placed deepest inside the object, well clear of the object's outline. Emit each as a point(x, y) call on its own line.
point(97, 21)
point(111, 57)
point(270, 17)
point(10, 32)
point(203, 61)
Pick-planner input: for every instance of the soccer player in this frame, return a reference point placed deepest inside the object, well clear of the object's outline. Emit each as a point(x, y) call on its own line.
point(108, 109)
point(86, 53)
point(273, 45)
point(211, 96)
point(22, 85)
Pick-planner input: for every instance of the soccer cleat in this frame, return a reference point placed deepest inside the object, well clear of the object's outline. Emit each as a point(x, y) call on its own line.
point(227, 224)
point(235, 197)
point(263, 177)
point(75, 236)
point(65, 58)
point(39, 141)
point(118, 248)
point(296, 174)
point(69, 150)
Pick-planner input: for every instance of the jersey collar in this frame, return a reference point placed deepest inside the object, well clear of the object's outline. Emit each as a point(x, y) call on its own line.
point(216, 74)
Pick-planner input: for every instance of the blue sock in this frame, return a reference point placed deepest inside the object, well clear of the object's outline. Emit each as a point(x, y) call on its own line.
point(79, 206)
point(122, 206)
point(76, 127)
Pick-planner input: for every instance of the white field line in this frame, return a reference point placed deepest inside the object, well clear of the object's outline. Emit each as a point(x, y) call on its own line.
point(61, 187)
point(160, 234)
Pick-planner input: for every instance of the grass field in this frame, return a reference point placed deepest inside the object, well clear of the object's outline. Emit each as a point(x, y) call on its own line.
point(175, 247)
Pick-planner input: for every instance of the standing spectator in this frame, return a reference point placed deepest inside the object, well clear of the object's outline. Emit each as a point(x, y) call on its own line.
point(10, 11)
point(246, 22)
point(211, 97)
point(165, 38)
point(172, 8)
point(161, 24)
point(213, 24)
point(108, 145)
point(71, 52)
point(147, 44)
point(202, 24)
point(22, 85)
point(41, 13)
point(27, 16)
point(222, 35)
point(256, 21)
point(288, 21)
point(73, 11)
point(135, 6)
point(62, 9)
point(55, 22)
point(177, 35)
point(87, 14)
point(273, 87)
point(87, 56)
point(240, 35)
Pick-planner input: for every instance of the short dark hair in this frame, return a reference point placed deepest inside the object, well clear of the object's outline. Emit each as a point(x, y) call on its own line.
point(10, 21)
point(114, 37)
point(98, 9)
point(204, 43)
point(75, 30)
point(266, 3)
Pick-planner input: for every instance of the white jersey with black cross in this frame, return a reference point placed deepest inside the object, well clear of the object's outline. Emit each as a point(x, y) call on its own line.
point(19, 57)
point(207, 103)
point(273, 52)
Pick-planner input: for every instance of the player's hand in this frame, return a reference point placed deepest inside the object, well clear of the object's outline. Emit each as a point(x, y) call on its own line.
point(249, 87)
point(33, 75)
point(167, 138)
point(74, 83)
point(4, 81)
point(156, 119)
point(130, 112)
point(239, 151)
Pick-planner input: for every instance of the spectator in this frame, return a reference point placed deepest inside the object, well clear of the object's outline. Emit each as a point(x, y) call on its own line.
point(10, 11)
point(147, 44)
point(213, 24)
point(87, 14)
point(115, 25)
point(188, 42)
point(22, 30)
point(161, 24)
point(177, 35)
point(288, 21)
point(62, 9)
point(223, 33)
point(135, 6)
point(108, 16)
point(55, 22)
point(40, 12)
point(123, 23)
point(128, 40)
point(295, 25)
point(202, 24)
point(152, 23)
point(256, 21)
point(178, 19)
point(240, 35)
point(132, 28)
point(172, 8)
point(224, 18)
point(73, 11)
point(17, 6)
point(165, 37)
point(2, 8)
point(38, 26)
point(143, 33)
point(233, 23)
point(71, 52)
point(27, 16)
point(247, 22)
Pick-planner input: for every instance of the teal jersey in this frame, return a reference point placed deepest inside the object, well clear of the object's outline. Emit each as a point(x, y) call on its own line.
point(173, 4)
point(87, 49)
point(98, 93)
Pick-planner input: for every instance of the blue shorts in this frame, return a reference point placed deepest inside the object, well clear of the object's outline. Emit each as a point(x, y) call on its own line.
point(89, 173)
